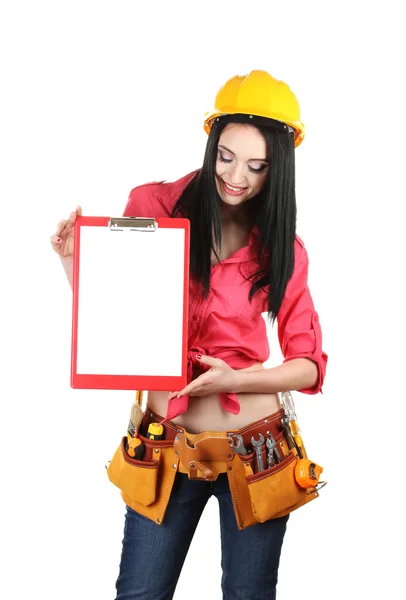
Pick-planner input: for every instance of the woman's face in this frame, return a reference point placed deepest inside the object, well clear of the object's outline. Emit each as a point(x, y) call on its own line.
point(242, 164)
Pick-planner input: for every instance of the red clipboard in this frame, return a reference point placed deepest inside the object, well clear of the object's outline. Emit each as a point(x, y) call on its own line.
point(130, 303)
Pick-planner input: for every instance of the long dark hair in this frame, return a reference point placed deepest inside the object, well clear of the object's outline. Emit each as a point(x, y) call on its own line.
point(273, 211)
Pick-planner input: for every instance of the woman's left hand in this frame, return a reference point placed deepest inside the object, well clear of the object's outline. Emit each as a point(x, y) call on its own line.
point(220, 378)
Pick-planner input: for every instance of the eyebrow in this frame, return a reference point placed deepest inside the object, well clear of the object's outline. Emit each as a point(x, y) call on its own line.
point(264, 160)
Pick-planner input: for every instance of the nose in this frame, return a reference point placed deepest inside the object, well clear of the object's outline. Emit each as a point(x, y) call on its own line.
point(237, 175)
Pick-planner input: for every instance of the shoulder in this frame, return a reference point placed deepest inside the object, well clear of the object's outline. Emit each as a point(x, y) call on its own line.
point(158, 198)
point(301, 256)
point(299, 241)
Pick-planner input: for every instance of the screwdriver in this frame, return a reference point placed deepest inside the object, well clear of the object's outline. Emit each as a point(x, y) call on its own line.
point(289, 437)
point(155, 431)
point(134, 447)
point(289, 407)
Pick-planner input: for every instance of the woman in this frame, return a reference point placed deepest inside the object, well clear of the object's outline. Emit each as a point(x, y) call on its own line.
point(245, 259)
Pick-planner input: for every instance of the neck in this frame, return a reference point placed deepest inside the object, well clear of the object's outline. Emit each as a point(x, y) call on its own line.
point(234, 215)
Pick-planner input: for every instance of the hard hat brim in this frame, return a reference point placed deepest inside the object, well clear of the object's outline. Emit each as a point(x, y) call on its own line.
point(251, 119)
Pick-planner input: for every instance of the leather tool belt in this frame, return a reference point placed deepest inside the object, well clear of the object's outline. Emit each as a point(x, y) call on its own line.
point(260, 490)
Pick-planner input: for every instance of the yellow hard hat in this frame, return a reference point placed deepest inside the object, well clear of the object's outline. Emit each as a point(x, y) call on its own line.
point(258, 94)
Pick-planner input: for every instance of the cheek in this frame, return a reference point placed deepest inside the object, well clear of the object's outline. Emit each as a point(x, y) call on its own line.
point(258, 181)
point(218, 178)
point(221, 168)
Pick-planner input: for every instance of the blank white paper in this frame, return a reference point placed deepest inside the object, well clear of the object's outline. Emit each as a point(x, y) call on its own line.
point(130, 302)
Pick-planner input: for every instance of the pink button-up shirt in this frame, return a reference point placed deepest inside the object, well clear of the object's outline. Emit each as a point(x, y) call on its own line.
point(226, 325)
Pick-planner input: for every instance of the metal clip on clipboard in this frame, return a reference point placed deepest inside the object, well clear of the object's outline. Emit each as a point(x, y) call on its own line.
point(132, 224)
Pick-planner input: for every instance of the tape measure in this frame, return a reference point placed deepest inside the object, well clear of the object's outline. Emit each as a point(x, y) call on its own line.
point(307, 473)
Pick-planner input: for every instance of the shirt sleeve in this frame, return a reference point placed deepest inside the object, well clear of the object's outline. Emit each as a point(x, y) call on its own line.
point(149, 200)
point(299, 330)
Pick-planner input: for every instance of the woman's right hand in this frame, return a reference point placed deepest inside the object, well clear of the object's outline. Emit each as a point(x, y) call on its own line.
point(63, 238)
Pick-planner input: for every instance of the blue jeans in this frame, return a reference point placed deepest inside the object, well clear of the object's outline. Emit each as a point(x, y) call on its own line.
point(153, 555)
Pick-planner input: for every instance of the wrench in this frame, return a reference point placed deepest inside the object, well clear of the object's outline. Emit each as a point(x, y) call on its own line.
point(271, 445)
point(238, 445)
point(257, 444)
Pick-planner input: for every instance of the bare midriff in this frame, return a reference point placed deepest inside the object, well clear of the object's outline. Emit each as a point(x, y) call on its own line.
point(206, 414)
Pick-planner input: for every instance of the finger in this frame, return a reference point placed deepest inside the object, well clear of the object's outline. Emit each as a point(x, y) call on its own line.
point(201, 390)
point(72, 217)
point(196, 386)
point(66, 224)
point(60, 227)
point(186, 391)
point(55, 240)
point(69, 225)
point(210, 360)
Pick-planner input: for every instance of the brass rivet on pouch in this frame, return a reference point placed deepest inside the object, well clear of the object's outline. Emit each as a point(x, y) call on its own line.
point(158, 520)
point(174, 466)
point(178, 437)
point(229, 456)
point(177, 452)
point(192, 465)
point(157, 450)
point(266, 421)
point(229, 468)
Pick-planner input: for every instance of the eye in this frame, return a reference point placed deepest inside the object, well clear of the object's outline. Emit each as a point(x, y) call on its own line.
point(259, 170)
point(222, 159)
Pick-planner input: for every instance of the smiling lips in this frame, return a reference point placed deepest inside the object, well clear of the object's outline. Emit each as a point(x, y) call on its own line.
point(231, 190)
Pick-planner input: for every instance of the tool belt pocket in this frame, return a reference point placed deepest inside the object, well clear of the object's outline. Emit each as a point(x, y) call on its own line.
point(137, 479)
point(274, 491)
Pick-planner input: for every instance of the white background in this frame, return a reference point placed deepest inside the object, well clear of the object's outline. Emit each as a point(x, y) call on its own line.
point(97, 97)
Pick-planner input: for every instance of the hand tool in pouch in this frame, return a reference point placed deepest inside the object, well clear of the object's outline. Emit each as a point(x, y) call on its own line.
point(137, 414)
point(155, 431)
point(135, 448)
point(237, 444)
point(289, 408)
point(307, 473)
point(289, 437)
point(257, 445)
point(272, 451)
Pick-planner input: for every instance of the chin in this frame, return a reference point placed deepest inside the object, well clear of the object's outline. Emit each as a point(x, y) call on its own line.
point(233, 201)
